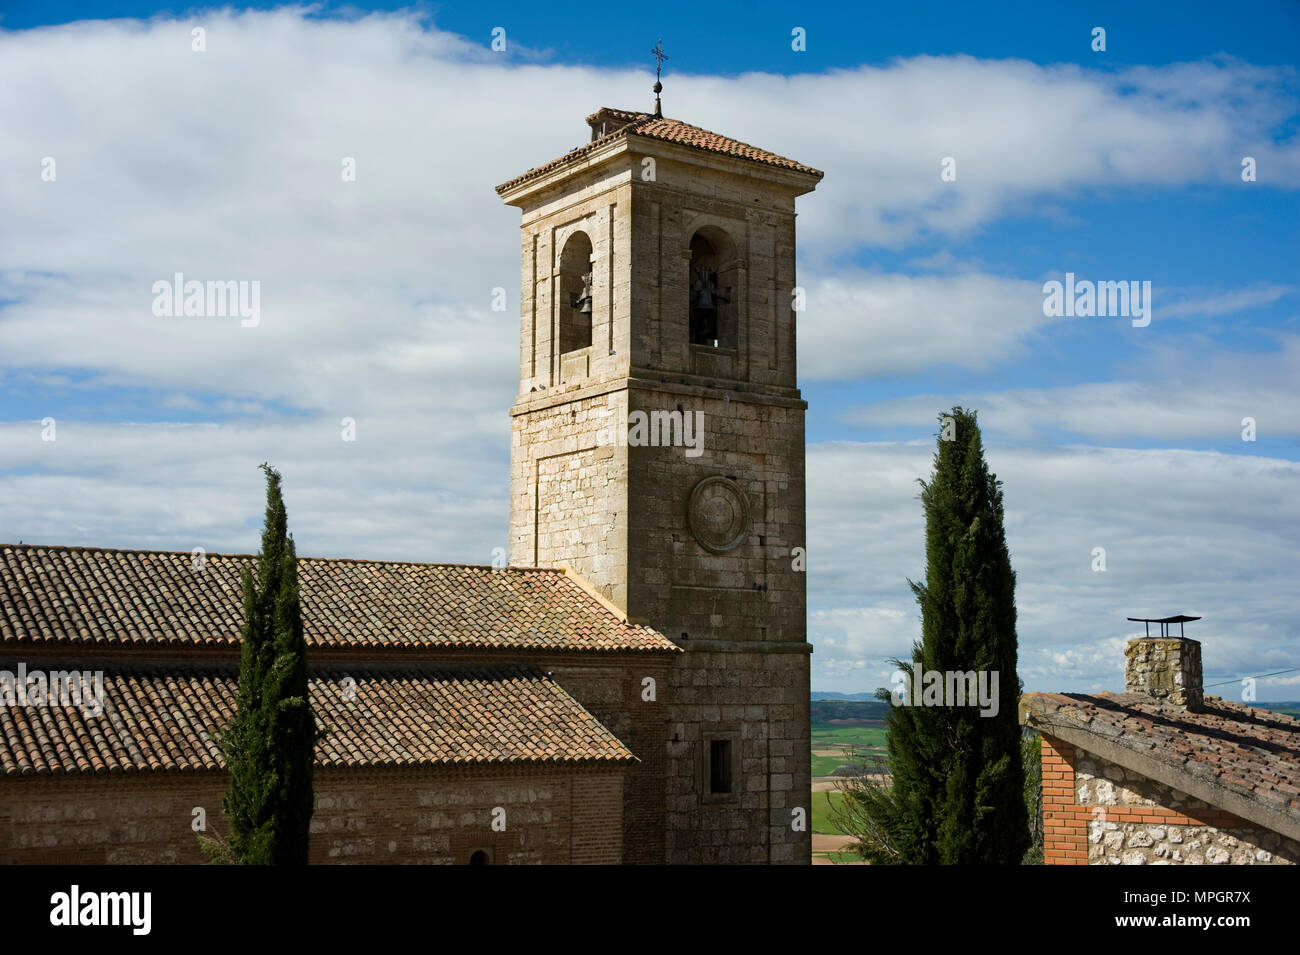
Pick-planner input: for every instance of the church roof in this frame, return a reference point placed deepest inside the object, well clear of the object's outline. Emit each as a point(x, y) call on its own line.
point(84, 598)
point(165, 718)
point(662, 128)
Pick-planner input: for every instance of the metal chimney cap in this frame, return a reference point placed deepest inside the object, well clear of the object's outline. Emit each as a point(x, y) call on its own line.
point(1164, 622)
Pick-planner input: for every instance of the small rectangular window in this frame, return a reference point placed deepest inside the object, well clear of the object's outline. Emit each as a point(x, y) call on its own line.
point(720, 766)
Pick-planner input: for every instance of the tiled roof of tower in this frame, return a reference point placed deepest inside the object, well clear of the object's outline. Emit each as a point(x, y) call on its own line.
point(81, 596)
point(667, 130)
point(1252, 752)
point(164, 719)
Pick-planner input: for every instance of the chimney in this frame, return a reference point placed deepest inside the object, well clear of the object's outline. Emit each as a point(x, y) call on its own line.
point(607, 120)
point(1165, 668)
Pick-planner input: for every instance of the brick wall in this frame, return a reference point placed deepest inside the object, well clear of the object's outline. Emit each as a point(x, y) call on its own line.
point(105, 819)
point(417, 816)
point(1098, 813)
point(615, 695)
point(595, 830)
point(1065, 822)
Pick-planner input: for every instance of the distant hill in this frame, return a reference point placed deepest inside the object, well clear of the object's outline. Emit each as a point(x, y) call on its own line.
point(848, 706)
point(823, 711)
point(1290, 708)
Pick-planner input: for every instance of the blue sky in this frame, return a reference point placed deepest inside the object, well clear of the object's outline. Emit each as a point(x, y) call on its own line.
point(841, 35)
point(1114, 165)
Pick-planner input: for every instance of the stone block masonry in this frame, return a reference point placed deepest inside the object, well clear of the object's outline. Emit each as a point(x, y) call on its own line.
point(758, 701)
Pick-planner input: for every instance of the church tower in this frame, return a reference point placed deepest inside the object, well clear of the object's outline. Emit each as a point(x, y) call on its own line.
point(657, 449)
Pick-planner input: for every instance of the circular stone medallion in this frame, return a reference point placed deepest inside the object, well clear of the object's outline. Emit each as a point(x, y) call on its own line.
point(718, 514)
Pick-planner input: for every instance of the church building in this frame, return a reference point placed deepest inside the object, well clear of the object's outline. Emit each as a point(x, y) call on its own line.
point(633, 688)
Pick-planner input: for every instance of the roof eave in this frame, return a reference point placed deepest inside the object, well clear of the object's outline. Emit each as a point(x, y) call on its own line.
point(514, 191)
point(799, 178)
point(802, 180)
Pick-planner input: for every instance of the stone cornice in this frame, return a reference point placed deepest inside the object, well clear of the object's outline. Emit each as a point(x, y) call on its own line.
point(643, 379)
point(744, 646)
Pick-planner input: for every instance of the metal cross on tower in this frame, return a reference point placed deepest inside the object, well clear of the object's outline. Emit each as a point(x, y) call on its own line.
point(659, 55)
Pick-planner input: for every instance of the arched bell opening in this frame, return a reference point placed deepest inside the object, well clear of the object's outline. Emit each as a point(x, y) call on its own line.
point(714, 304)
point(575, 293)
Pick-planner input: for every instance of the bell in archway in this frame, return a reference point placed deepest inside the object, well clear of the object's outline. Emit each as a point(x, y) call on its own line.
point(582, 300)
point(706, 291)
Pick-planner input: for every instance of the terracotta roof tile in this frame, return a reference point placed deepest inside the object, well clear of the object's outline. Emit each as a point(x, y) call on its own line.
point(63, 596)
point(166, 719)
point(666, 130)
point(1253, 751)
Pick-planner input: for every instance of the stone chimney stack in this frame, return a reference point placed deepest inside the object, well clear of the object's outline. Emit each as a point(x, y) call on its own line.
point(1165, 668)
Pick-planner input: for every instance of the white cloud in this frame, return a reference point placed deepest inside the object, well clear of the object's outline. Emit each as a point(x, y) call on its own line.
point(1181, 397)
point(1020, 133)
point(864, 324)
point(1184, 532)
point(226, 164)
point(433, 491)
point(1228, 303)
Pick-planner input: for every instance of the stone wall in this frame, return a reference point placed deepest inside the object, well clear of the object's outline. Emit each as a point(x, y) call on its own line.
point(1136, 820)
point(418, 816)
point(568, 491)
point(598, 206)
point(1098, 813)
point(1165, 668)
point(749, 592)
point(759, 700)
point(757, 217)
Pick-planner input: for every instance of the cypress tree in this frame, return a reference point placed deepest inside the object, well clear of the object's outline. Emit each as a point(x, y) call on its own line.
point(269, 745)
point(957, 795)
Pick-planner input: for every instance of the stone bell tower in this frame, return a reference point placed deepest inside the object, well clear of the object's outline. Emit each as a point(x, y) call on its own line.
point(657, 448)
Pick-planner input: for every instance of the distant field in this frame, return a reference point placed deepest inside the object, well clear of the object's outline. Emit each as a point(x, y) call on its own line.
point(835, 745)
point(843, 733)
point(862, 733)
point(844, 857)
point(821, 808)
point(826, 765)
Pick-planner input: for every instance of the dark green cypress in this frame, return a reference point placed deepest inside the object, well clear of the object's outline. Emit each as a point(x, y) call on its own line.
point(902, 814)
point(269, 745)
point(957, 795)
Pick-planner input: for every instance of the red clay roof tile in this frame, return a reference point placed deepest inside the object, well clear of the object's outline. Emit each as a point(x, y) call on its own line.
point(666, 130)
point(160, 718)
point(66, 596)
